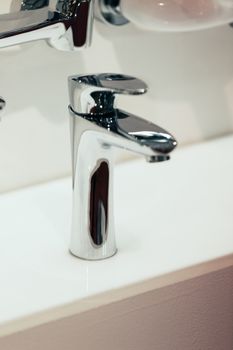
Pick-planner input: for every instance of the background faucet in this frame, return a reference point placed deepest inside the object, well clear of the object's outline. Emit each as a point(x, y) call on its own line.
point(65, 24)
point(97, 126)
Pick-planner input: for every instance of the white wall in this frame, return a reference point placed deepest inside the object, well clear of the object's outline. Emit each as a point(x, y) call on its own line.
point(191, 93)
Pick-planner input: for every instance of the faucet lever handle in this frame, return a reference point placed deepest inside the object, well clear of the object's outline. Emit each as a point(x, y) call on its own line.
point(95, 94)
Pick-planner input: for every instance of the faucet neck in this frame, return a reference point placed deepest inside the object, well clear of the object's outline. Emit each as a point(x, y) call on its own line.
point(92, 234)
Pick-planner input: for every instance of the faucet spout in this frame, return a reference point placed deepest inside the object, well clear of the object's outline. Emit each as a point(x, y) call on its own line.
point(149, 136)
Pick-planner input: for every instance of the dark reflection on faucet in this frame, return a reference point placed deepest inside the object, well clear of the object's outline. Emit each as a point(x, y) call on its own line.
point(99, 203)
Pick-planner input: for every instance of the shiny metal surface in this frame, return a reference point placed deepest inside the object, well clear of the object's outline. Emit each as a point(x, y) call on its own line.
point(95, 94)
point(109, 11)
point(95, 131)
point(67, 26)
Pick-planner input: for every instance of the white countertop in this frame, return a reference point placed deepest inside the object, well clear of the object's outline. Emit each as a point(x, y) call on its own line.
point(174, 221)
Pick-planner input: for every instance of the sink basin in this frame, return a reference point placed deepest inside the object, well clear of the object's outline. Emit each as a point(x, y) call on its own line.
point(174, 222)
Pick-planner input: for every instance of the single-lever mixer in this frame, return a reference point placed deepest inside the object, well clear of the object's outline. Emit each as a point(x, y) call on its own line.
point(97, 126)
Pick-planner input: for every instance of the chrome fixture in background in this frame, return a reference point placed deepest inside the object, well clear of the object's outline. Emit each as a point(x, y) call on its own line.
point(166, 15)
point(66, 26)
point(97, 127)
point(109, 11)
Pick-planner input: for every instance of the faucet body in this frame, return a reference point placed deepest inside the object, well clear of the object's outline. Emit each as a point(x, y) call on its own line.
point(66, 26)
point(96, 128)
point(93, 235)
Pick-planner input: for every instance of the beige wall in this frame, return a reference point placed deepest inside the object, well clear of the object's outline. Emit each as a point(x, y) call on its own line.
point(191, 93)
point(192, 315)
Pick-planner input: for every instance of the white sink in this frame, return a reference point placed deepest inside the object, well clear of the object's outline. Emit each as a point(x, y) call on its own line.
point(173, 222)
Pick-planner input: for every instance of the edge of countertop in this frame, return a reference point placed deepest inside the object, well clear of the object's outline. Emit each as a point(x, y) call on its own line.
point(90, 303)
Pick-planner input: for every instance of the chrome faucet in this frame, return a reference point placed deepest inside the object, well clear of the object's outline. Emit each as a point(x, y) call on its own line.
point(66, 26)
point(97, 126)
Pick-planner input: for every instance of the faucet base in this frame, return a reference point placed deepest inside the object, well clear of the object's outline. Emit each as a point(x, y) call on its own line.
point(103, 257)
